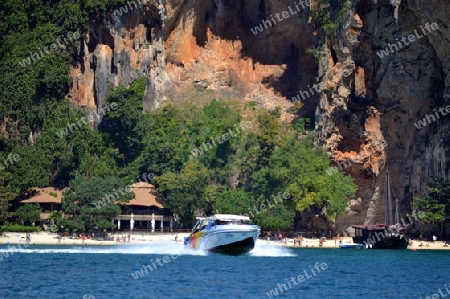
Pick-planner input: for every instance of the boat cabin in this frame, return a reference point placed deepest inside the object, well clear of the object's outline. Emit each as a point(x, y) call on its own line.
point(364, 232)
point(220, 219)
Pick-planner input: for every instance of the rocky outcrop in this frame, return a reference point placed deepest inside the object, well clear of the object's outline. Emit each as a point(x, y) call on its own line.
point(367, 91)
point(196, 41)
point(393, 85)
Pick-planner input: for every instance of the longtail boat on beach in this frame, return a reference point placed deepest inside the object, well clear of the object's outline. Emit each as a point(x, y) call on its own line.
point(223, 233)
point(383, 236)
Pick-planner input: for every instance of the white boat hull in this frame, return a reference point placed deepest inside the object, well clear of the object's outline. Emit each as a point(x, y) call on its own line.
point(228, 239)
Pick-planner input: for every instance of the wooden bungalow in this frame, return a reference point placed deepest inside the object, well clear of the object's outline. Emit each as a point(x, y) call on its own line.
point(48, 198)
point(145, 211)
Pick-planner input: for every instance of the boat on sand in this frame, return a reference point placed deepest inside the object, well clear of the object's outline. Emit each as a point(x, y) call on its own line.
point(383, 236)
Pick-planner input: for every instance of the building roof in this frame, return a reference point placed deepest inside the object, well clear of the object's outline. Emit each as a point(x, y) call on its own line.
point(44, 195)
point(145, 196)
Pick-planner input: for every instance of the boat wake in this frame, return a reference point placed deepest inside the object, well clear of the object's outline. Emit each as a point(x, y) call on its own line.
point(160, 248)
point(262, 249)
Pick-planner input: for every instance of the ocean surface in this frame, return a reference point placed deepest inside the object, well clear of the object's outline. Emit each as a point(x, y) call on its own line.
point(174, 272)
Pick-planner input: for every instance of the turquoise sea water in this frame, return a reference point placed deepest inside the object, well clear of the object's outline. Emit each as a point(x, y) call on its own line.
point(107, 272)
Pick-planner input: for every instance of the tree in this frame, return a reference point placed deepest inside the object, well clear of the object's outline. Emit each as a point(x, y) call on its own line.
point(166, 142)
point(270, 135)
point(29, 213)
point(440, 190)
point(299, 169)
point(7, 194)
point(5, 197)
point(92, 202)
point(233, 201)
point(434, 207)
point(124, 127)
point(430, 210)
point(184, 191)
point(279, 217)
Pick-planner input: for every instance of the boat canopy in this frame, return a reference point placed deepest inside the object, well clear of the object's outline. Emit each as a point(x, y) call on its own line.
point(229, 217)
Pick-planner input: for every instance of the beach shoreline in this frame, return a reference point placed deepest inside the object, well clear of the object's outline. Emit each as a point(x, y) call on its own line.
point(44, 238)
point(334, 243)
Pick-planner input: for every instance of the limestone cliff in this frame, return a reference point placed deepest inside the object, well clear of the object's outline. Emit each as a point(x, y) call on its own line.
point(362, 100)
point(369, 98)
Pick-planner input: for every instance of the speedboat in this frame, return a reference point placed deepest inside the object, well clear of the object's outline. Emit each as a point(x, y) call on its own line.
point(223, 233)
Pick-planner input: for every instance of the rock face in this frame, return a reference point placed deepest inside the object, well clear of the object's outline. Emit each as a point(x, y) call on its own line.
point(176, 44)
point(393, 84)
point(368, 91)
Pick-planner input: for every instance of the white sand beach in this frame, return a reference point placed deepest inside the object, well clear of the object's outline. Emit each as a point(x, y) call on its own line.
point(52, 239)
point(45, 238)
point(333, 243)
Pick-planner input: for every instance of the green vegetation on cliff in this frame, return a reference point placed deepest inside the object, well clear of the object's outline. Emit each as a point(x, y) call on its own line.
point(434, 207)
point(205, 159)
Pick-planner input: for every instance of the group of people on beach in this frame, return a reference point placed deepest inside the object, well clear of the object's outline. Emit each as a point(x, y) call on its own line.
point(74, 236)
point(277, 238)
point(298, 241)
point(123, 239)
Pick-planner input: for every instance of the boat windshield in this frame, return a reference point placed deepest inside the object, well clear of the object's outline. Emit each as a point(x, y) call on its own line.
point(232, 222)
point(207, 223)
point(201, 224)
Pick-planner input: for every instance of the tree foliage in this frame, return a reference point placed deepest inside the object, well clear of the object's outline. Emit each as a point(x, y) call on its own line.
point(236, 170)
point(123, 128)
point(184, 191)
point(81, 202)
point(233, 201)
point(299, 169)
point(29, 213)
point(434, 207)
